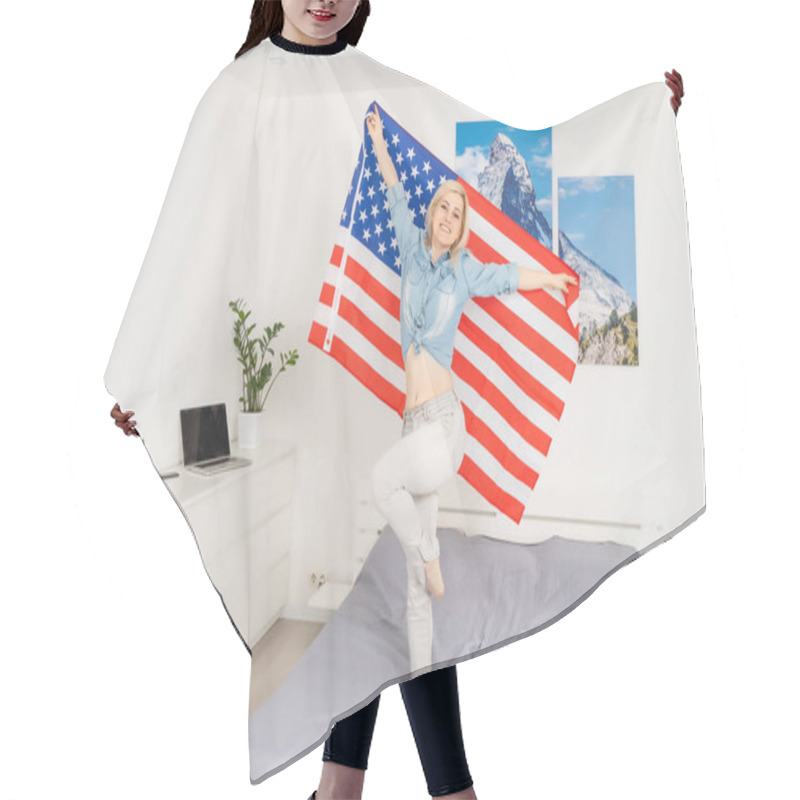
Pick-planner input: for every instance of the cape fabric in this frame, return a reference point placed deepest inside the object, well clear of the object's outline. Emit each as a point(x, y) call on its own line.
point(582, 408)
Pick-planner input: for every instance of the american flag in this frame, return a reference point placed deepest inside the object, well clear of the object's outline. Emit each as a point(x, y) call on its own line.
point(514, 355)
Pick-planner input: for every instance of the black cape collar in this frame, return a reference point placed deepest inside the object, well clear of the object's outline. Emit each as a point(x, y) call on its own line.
point(308, 49)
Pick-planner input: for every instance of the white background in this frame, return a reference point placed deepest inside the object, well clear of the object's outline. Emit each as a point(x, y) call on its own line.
point(120, 675)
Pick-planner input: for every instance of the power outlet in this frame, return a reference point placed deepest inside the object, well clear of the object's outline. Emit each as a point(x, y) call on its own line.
point(317, 580)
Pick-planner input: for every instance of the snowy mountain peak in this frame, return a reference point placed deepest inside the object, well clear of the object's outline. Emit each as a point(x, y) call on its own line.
point(500, 144)
point(506, 182)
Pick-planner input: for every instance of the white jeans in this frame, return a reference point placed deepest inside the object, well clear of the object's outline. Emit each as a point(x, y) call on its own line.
point(405, 484)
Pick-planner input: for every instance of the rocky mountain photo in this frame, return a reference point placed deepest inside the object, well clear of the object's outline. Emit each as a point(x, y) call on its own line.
point(608, 321)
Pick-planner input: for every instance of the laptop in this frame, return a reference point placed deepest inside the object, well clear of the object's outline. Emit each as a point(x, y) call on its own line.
point(206, 445)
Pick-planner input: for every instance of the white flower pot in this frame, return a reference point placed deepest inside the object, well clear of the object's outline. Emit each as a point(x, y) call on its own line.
point(250, 428)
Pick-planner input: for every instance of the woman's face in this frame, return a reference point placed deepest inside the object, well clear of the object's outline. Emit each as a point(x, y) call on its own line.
point(447, 220)
point(315, 21)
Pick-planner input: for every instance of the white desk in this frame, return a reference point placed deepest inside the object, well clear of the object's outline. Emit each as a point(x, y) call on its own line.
point(241, 520)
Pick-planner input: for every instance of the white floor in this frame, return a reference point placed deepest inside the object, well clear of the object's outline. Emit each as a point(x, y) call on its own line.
point(276, 654)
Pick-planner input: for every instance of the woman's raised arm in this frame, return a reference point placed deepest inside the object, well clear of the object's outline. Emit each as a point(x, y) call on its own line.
point(375, 128)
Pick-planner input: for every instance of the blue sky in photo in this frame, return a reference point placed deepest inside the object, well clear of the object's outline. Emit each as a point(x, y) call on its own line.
point(474, 140)
point(597, 214)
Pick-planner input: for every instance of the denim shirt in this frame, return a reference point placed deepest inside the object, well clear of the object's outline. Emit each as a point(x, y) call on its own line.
point(432, 296)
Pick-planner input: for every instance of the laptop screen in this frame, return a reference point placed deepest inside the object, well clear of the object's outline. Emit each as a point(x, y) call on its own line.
point(204, 431)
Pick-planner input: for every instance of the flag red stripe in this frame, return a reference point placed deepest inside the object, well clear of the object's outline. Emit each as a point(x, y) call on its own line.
point(336, 256)
point(316, 335)
point(326, 294)
point(382, 341)
point(528, 335)
point(535, 389)
point(362, 277)
point(483, 484)
point(374, 381)
point(531, 433)
point(554, 308)
point(506, 457)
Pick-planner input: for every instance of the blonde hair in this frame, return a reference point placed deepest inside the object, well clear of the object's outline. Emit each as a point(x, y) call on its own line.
point(461, 242)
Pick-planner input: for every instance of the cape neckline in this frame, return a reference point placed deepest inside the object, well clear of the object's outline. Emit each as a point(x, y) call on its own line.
point(308, 49)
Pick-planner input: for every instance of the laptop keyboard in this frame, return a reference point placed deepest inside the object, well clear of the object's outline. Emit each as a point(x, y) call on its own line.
point(221, 466)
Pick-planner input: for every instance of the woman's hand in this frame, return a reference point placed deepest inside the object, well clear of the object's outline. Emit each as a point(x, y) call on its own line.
point(124, 421)
point(675, 82)
point(375, 126)
point(385, 165)
point(560, 281)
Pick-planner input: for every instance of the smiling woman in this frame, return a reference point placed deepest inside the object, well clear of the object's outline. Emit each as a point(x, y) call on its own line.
point(301, 22)
point(316, 21)
point(407, 478)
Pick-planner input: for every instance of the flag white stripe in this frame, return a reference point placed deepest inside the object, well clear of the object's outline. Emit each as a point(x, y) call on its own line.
point(533, 364)
point(376, 313)
point(524, 451)
point(332, 275)
point(511, 391)
point(322, 315)
point(541, 322)
point(517, 398)
point(364, 348)
point(487, 463)
point(385, 275)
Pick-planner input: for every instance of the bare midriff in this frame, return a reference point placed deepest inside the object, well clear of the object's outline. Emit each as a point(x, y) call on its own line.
point(426, 378)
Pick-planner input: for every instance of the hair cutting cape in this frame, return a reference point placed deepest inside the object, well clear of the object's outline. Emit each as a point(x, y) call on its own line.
point(582, 408)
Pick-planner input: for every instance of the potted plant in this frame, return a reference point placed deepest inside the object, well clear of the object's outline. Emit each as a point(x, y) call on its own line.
point(257, 373)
